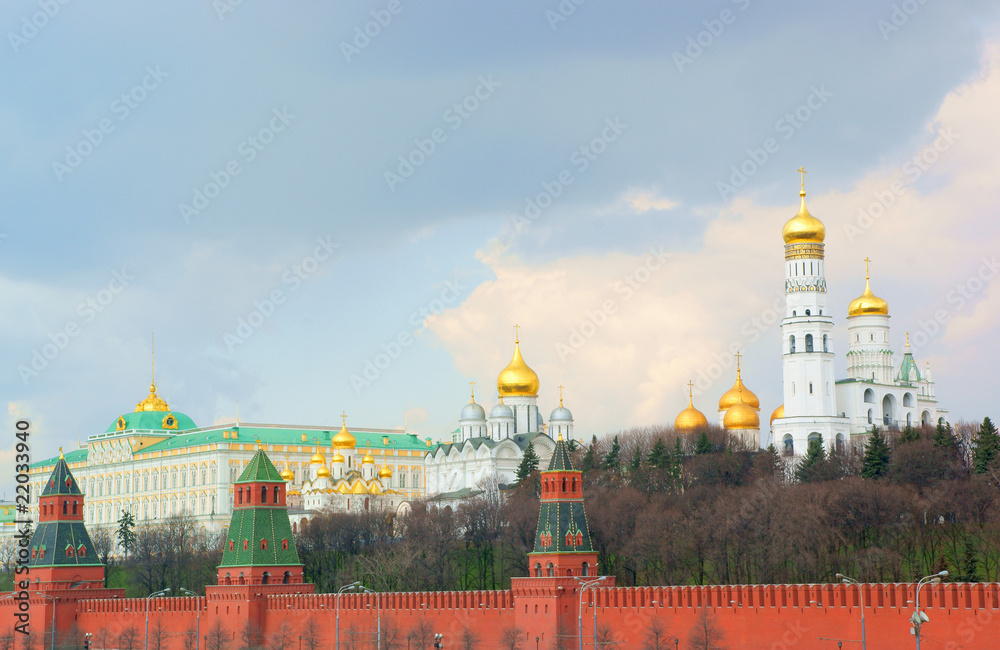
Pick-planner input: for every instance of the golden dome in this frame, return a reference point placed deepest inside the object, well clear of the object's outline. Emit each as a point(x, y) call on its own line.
point(287, 474)
point(344, 439)
point(152, 401)
point(738, 393)
point(385, 472)
point(868, 302)
point(323, 472)
point(778, 413)
point(517, 379)
point(741, 416)
point(803, 227)
point(690, 419)
point(337, 458)
point(368, 459)
point(318, 458)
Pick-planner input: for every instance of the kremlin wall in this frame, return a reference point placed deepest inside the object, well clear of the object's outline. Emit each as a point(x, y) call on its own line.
point(261, 588)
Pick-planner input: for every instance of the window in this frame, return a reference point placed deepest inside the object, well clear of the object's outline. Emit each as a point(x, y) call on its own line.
point(538, 571)
point(808, 312)
point(791, 344)
point(155, 475)
point(585, 570)
point(788, 444)
point(263, 544)
point(810, 388)
point(550, 570)
point(263, 494)
point(204, 475)
point(65, 506)
point(809, 342)
point(415, 480)
point(284, 545)
point(826, 347)
point(246, 545)
point(232, 545)
point(239, 496)
point(276, 493)
point(74, 507)
point(402, 478)
point(82, 551)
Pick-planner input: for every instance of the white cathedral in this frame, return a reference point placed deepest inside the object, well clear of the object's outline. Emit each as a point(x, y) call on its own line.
point(876, 391)
point(490, 448)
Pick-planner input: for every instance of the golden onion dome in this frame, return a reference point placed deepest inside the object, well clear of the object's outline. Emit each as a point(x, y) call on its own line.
point(741, 416)
point(517, 379)
point(337, 458)
point(867, 302)
point(690, 419)
point(344, 439)
point(318, 458)
point(323, 472)
point(385, 472)
point(287, 474)
point(368, 459)
point(803, 227)
point(738, 393)
point(778, 413)
point(152, 401)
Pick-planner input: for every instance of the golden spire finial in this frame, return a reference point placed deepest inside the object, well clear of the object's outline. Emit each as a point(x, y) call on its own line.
point(472, 389)
point(237, 413)
point(907, 339)
point(738, 355)
point(560, 394)
point(343, 418)
point(501, 399)
point(259, 445)
point(61, 454)
point(867, 262)
point(690, 393)
point(802, 174)
point(516, 338)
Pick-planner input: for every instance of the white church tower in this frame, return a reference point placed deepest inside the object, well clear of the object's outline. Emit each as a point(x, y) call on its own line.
point(810, 407)
point(517, 387)
point(869, 357)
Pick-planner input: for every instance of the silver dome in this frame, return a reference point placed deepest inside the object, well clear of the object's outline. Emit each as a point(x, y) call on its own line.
point(561, 414)
point(501, 411)
point(473, 411)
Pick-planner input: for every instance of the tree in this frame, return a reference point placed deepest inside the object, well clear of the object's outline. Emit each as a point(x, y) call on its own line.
point(590, 457)
point(510, 639)
point(943, 437)
point(705, 633)
point(422, 635)
point(909, 434)
point(636, 462)
point(704, 445)
point(218, 637)
point(282, 637)
point(876, 462)
point(969, 562)
point(658, 454)
point(129, 638)
point(250, 636)
point(675, 465)
point(190, 639)
point(656, 636)
point(126, 532)
point(811, 467)
point(529, 463)
point(986, 447)
point(613, 460)
point(157, 635)
point(470, 640)
point(311, 638)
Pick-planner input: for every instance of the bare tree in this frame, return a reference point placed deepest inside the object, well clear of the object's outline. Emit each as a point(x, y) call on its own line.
point(7, 640)
point(705, 633)
point(311, 638)
point(191, 638)
point(102, 638)
point(470, 640)
point(510, 639)
point(282, 637)
point(157, 634)
point(391, 636)
point(605, 636)
point(129, 638)
point(218, 638)
point(421, 636)
point(250, 636)
point(656, 635)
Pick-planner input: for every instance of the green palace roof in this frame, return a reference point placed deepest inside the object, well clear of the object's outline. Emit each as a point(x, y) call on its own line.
point(151, 421)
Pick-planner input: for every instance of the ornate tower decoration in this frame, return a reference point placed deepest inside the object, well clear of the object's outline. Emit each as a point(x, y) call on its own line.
point(259, 548)
point(518, 385)
point(562, 541)
point(62, 555)
point(869, 357)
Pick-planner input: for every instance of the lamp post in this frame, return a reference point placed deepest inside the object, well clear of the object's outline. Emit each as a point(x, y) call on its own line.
point(155, 594)
point(52, 640)
point(438, 641)
point(584, 585)
point(851, 581)
point(350, 587)
point(197, 631)
point(378, 609)
point(919, 618)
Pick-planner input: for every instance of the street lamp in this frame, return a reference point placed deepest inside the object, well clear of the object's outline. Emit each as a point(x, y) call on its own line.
point(350, 587)
point(155, 594)
point(919, 618)
point(197, 631)
point(438, 641)
point(378, 607)
point(851, 581)
point(52, 641)
point(584, 585)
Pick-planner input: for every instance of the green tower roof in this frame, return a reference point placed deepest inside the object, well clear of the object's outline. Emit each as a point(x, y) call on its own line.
point(260, 469)
point(61, 543)
point(61, 481)
point(560, 461)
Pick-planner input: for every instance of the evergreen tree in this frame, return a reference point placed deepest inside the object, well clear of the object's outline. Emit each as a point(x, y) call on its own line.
point(675, 465)
point(658, 454)
point(876, 460)
point(590, 457)
point(811, 467)
point(636, 459)
point(126, 532)
point(613, 460)
point(986, 446)
point(909, 434)
point(529, 463)
point(704, 445)
point(943, 439)
point(774, 461)
point(969, 563)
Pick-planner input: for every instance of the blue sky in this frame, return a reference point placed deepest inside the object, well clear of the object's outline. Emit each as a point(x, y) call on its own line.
point(313, 133)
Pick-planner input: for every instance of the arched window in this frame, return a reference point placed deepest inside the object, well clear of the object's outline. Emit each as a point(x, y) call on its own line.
point(538, 569)
point(246, 546)
point(65, 507)
point(263, 494)
point(574, 485)
point(791, 344)
point(550, 570)
point(869, 396)
point(263, 544)
point(564, 485)
point(284, 545)
point(286, 578)
point(808, 313)
point(74, 503)
point(276, 493)
point(826, 345)
point(585, 570)
point(840, 442)
point(788, 444)
point(402, 478)
point(908, 400)
point(815, 436)
point(909, 422)
point(240, 497)
point(809, 342)
point(82, 551)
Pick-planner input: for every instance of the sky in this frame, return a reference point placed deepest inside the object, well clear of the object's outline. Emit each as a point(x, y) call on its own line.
point(326, 207)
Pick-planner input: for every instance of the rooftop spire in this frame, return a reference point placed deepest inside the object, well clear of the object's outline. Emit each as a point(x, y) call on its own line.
point(516, 340)
point(802, 175)
point(560, 394)
point(472, 389)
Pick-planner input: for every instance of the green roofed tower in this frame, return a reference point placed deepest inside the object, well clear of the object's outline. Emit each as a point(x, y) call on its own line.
point(562, 541)
point(62, 554)
point(259, 547)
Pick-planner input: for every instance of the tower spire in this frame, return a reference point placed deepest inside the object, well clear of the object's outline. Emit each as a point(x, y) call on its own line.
point(802, 175)
point(152, 363)
point(472, 389)
point(867, 261)
point(560, 394)
point(516, 338)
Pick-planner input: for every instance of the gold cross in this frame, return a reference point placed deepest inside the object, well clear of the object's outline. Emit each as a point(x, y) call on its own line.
point(691, 389)
point(907, 339)
point(472, 388)
point(738, 355)
point(802, 173)
point(867, 262)
point(343, 418)
point(560, 394)
point(515, 334)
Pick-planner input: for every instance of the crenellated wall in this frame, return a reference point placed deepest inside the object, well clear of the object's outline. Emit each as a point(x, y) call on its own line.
point(804, 617)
